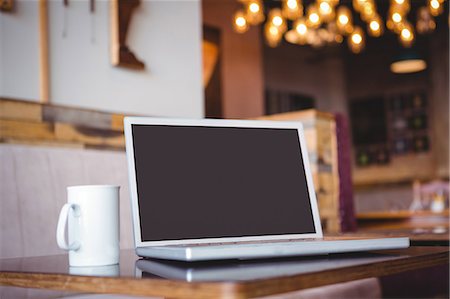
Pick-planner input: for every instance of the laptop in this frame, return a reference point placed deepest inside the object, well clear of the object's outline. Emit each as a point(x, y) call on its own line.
point(253, 269)
point(212, 189)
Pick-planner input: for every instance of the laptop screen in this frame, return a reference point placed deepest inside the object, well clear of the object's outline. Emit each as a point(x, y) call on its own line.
point(197, 182)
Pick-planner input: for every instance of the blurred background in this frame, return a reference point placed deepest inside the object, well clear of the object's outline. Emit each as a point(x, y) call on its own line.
point(369, 80)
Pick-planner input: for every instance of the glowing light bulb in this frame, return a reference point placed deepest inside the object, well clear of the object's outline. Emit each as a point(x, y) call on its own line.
point(436, 7)
point(254, 12)
point(434, 4)
point(254, 7)
point(240, 23)
point(301, 28)
point(399, 2)
point(343, 19)
point(314, 17)
point(277, 21)
point(356, 41)
point(356, 38)
point(406, 34)
point(292, 9)
point(396, 17)
point(272, 34)
point(325, 7)
point(292, 4)
point(374, 26)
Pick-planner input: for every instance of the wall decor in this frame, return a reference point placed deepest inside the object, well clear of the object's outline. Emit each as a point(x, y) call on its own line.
point(212, 70)
point(121, 14)
point(6, 5)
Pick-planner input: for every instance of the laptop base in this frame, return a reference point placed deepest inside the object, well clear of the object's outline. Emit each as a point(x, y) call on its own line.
point(270, 250)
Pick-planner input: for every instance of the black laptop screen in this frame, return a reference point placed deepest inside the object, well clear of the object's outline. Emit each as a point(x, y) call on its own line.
point(211, 182)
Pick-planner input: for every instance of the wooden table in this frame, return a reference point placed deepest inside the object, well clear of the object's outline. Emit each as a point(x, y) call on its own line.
point(213, 279)
point(422, 227)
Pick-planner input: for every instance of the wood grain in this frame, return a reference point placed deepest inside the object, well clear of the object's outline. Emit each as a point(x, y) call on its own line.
point(26, 130)
point(43, 53)
point(20, 110)
point(408, 259)
point(89, 136)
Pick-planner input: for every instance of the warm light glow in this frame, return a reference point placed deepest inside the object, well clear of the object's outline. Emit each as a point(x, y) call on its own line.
point(356, 38)
point(254, 7)
point(436, 7)
point(240, 24)
point(292, 4)
point(396, 17)
point(408, 66)
point(301, 28)
point(343, 19)
point(325, 8)
point(273, 30)
point(314, 18)
point(356, 41)
point(272, 34)
point(326, 11)
point(406, 34)
point(374, 26)
point(292, 9)
point(277, 21)
point(298, 35)
point(240, 21)
point(400, 2)
point(254, 12)
point(434, 4)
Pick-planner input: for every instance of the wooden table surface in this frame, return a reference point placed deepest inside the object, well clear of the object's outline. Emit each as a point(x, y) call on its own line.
point(231, 279)
point(423, 227)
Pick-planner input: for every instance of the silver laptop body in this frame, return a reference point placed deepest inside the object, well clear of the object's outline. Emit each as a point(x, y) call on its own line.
point(207, 189)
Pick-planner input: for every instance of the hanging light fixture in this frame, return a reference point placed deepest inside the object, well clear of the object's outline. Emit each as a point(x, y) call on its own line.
point(275, 27)
point(408, 62)
point(356, 41)
point(325, 21)
point(298, 34)
point(292, 9)
point(436, 7)
point(344, 20)
point(326, 10)
point(240, 23)
point(313, 17)
point(406, 35)
point(254, 12)
point(375, 26)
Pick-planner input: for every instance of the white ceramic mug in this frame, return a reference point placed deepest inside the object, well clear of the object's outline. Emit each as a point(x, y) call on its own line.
point(92, 214)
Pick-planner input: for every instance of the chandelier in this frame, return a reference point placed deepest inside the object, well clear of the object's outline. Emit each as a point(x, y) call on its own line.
point(325, 22)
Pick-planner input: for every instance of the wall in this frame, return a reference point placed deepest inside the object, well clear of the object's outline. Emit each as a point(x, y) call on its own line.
point(303, 70)
point(242, 70)
point(19, 54)
point(166, 35)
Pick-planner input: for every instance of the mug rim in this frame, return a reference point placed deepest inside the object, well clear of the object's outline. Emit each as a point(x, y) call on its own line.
point(92, 186)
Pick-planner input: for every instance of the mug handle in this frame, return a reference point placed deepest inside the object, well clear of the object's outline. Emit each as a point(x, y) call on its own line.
point(61, 228)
